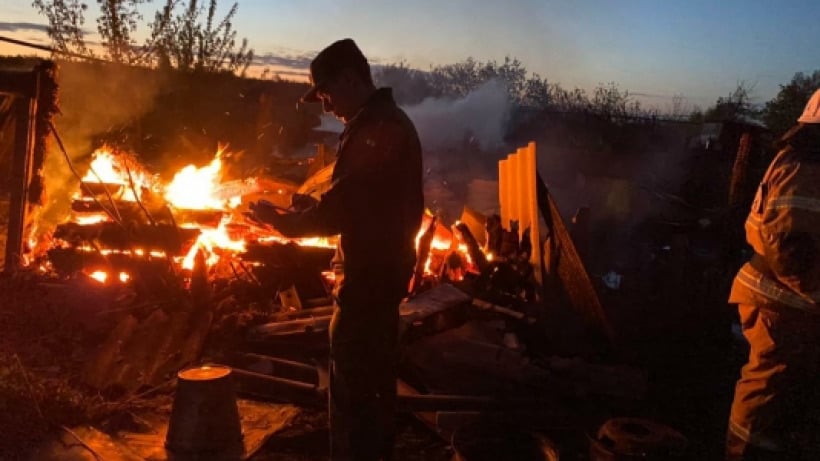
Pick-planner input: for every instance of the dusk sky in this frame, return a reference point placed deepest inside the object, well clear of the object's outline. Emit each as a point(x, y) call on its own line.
point(654, 48)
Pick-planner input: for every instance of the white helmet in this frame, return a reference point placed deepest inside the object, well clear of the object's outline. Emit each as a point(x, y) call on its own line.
point(811, 114)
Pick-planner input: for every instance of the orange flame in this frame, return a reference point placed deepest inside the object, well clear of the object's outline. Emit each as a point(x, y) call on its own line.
point(213, 240)
point(195, 188)
point(115, 169)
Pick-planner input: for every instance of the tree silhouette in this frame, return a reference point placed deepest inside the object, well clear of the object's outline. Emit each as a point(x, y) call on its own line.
point(737, 106)
point(782, 112)
point(117, 21)
point(195, 40)
point(65, 25)
point(186, 36)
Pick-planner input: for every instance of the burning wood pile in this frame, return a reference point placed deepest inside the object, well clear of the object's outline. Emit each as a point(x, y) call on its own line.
point(127, 227)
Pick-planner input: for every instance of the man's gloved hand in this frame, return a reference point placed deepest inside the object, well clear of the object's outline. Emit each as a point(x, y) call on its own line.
point(264, 212)
point(301, 202)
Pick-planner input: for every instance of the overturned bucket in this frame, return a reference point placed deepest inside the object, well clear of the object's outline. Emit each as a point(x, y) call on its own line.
point(204, 416)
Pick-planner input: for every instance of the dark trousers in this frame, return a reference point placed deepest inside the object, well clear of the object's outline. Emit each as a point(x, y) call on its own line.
point(363, 355)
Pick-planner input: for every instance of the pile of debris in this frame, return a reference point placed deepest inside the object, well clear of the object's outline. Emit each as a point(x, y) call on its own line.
point(192, 281)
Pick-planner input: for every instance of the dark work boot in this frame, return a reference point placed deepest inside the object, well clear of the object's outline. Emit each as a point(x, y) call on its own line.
point(738, 449)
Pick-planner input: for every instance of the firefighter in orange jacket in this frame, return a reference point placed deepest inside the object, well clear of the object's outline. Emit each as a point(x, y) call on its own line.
point(775, 411)
point(375, 203)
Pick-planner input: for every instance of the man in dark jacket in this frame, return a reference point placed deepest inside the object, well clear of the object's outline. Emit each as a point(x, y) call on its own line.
point(375, 203)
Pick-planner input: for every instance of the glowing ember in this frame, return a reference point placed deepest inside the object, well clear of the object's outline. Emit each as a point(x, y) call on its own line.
point(100, 276)
point(319, 242)
point(91, 218)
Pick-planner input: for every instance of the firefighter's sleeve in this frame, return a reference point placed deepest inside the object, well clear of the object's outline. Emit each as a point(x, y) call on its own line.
point(367, 157)
point(791, 231)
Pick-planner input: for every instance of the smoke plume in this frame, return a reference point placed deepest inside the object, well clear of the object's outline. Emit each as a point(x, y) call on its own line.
point(96, 99)
point(482, 114)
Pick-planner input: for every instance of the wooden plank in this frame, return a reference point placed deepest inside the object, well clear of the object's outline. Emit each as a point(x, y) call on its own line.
point(439, 308)
point(568, 268)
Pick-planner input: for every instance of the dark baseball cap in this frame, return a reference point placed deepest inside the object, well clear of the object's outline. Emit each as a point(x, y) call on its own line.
point(332, 60)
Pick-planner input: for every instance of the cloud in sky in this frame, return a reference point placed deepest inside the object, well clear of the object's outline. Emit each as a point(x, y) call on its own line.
point(301, 61)
point(22, 26)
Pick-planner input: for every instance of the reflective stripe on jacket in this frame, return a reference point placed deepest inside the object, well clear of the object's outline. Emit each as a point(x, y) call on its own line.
point(783, 228)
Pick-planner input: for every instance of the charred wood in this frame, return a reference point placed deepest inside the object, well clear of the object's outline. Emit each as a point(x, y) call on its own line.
point(200, 288)
point(422, 253)
point(280, 367)
point(495, 234)
point(290, 327)
point(112, 236)
point(510, 241)
point(473, 248)
point(129, 212)
point(278, 267)
point(437, 309)
point(276, 389)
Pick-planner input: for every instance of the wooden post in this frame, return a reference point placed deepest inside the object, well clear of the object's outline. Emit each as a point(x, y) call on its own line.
point(25, 109)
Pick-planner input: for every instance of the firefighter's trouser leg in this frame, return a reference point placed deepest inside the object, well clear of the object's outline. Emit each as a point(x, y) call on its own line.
point(775, 399)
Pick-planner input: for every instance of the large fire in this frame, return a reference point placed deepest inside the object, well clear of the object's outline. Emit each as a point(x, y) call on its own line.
point(201, 200)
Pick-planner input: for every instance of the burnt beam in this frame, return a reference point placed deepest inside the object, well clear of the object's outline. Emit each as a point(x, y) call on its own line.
point(25, 110)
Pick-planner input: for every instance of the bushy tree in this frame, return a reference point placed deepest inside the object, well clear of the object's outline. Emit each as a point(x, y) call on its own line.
point(782, 112)
point(117, 22)
point(525, 90)
point(459, 79)
point(195, 40)
point(65, 25)
point(737, 106)
point(187, 36)
point(537, 92)
point(410, 86)
point(609, 101)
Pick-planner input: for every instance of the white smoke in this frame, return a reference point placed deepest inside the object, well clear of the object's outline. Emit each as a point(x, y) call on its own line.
point(444, 123)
